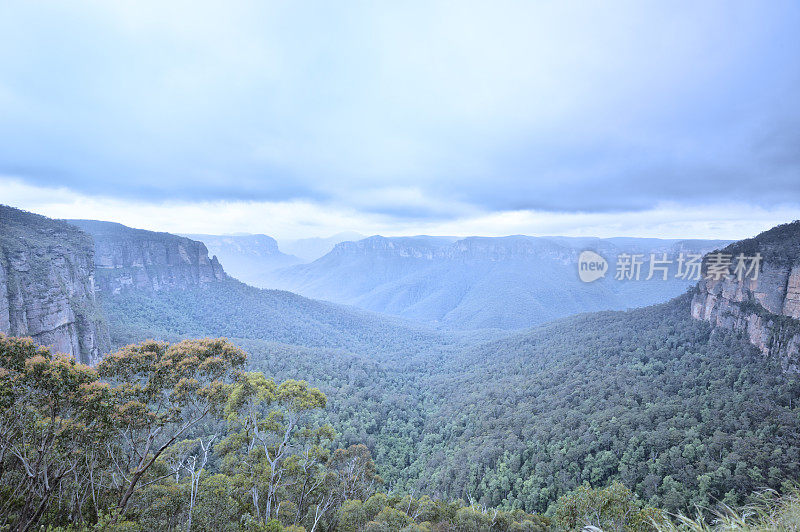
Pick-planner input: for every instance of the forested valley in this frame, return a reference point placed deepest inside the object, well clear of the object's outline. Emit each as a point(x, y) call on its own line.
point(220, 406)
point(683, 414)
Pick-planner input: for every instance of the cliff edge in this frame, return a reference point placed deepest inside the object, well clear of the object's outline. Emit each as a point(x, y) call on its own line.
point(47, 285)
point(765, 306)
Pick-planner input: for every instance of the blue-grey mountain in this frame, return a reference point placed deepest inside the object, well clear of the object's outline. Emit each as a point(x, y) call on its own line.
point(310, 249)
point(249, 258)
point(478, 282)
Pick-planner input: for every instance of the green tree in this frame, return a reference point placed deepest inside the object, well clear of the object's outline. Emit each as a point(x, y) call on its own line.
point(358, 478)
point(352, 516)
point(54, 413)
point(470, 519)
point(613, 508)
point(216, 508)
point(269, 440)
point(393, 518)
point(161, 392)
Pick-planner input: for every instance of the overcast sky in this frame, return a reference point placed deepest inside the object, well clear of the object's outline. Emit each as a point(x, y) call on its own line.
point(675, 119)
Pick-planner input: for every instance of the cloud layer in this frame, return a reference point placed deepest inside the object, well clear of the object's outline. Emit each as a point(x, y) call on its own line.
point(412, 112)
point(300, 219)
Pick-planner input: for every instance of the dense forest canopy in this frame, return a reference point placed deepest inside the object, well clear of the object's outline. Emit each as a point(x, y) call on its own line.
point(169, 437)
point(680, 413)
point(649, 399)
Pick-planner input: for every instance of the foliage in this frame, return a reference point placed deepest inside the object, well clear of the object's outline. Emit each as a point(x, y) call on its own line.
point(235, 310)
point(768, 511)
point(55, 415)
point(119, 454)
point(648, 397)
point(161, 392)
point(683, 415)
point(22, 230)
point(614, 508)
point(272, 454)
point(779, 245)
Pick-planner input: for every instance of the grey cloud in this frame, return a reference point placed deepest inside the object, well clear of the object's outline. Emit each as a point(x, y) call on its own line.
point(574, 107)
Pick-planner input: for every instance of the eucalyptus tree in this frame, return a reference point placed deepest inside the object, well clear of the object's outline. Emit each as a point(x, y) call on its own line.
point(53, 414)
point(160, 392)
point(271, 445)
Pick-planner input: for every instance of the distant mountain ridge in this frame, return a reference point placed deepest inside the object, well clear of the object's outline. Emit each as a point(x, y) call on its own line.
point(483, 282)
point(249, 258)
point(165, 286)
point(310, 249)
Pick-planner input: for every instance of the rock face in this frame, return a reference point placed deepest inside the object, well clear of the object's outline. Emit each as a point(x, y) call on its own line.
point(47, 285)
point(249, 258)
point(766, 309)
point(127, 258)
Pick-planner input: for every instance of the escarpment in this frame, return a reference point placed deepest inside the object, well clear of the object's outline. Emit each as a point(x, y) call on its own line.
point(47, 285)
point(766, 306)
point(127, 258)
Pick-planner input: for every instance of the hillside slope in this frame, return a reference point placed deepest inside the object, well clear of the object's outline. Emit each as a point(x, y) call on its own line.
point(233, 309)
point(163, 286)
point(682, 413)
point(681, 410)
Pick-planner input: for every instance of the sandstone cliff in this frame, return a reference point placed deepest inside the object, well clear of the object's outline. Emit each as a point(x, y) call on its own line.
point(250, 258)
point(47, 285)
point(127, 258)
point(766, 309)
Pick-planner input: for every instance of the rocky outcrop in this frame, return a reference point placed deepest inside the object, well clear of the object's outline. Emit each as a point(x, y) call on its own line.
point(134, 259)
point(47, 285)
point(767, 308)
point(261, 246)
point(249, 258)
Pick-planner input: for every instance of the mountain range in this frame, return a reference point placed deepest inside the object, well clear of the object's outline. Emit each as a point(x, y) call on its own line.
point(481, 282)
point(164, 286)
